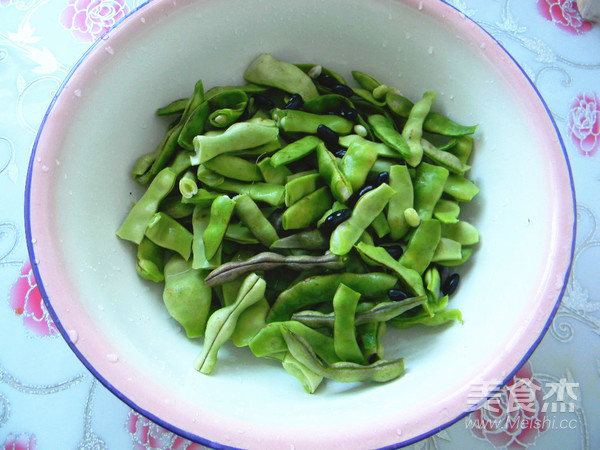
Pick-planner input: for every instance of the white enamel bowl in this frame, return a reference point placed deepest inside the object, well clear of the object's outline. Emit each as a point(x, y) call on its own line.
point(79, 190)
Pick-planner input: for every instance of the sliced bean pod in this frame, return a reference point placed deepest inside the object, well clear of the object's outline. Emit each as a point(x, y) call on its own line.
point(295, 150)
point(250, 322)
point(460, 188)
point(186, 296)
point(221, 324)
point(193, 126)
point(134, 226)
point(444, 159)
point(346, 372)
point(175, 107)
point(249, 213)
point(308, 240)
point(403, 199)
point(413, 128)
point(357, 162)
point(428, 188)
point(269, 260)
point(310, 380)
point(149, 261)
point(333, 176)
point(461, 231)
point(383, 150)
point(365, 80)
point(381, 312)
point(239, 136)
point(344, 330)
point(269, 341)
point(268, 71)
point(221, 211)
point(170, 234)
point(367, 208)
point(463, 148)
point(300, 187)
point(200, 220)
point(422, 245)
point(303, 122)
point(447, 250)
point(386, 132)
point(410, 277)
point(321, 288)
point(272, 194)
point(446, 211)
point(235, 168)
point(307, 210)
point(272, 174)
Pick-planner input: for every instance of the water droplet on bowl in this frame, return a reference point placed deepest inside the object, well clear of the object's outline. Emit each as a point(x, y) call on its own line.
point(109, 50)
point(399, 432)
point(77, 92)
point(111, 357)
point(143, 19)
point(45, 168)
point(33, 240)
point(73, 336)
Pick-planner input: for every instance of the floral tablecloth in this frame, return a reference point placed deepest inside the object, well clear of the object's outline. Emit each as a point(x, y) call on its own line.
point(48, 400)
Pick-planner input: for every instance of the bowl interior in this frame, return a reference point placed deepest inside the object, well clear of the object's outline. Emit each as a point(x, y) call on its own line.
point(80, 191)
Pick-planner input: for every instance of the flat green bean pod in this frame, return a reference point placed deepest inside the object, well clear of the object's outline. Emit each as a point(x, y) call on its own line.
point(345, 372)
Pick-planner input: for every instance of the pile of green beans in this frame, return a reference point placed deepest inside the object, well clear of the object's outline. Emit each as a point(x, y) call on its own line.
point(300, 217)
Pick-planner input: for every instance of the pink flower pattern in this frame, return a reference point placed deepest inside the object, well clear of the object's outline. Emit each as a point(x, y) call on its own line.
point(514, 418)
point(584, 123)
point(5, 3)
point(147, 435)
point(90, 19)
point(564, 14)
point(26, 301)
point(21, 442)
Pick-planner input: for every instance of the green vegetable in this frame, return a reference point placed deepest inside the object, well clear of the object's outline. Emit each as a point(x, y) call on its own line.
point(300, 244)
point(186, 296)
point(221, 324)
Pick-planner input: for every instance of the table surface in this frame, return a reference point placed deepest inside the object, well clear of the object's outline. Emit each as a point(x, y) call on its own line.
point(48, 400)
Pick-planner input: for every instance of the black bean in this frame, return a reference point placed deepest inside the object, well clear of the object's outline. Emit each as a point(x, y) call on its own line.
point(348, 113)
point(327, 81)
point(342, 89)
point(295, 102)
point(373, 358)
point(364, 190)
point(450, 284)
point(382, 177)
point(397, 295)
point(335, 218)
point(328, 136)
point(340, 153)
point(264, 102)
point(354, 198)
point(395, 251)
